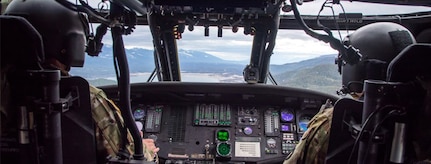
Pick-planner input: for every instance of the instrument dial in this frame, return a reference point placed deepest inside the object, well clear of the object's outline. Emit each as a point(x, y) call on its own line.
point(287, 115)
point(271, 143)
point(139, 114)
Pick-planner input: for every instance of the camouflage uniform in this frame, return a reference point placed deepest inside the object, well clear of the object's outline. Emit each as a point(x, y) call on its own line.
point(313, 146)
point(108, 120)
point(105, 114)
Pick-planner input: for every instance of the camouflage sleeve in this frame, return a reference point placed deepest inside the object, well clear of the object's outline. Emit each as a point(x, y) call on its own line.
point(313, 144)
point(319, 141)
point(108, 131)
point(107, 117)
point(296, 155)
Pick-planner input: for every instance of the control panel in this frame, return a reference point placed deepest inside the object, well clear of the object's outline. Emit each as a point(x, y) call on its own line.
point(230, 132)
point(222, 123)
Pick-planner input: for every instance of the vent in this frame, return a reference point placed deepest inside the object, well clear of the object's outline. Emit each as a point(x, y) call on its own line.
point(177, 125)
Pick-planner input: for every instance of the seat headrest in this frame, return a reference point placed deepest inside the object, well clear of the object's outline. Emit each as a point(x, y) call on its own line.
point(21, 44)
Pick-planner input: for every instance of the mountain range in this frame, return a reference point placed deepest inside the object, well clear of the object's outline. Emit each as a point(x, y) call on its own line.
point(142, 60)
point(318, 73)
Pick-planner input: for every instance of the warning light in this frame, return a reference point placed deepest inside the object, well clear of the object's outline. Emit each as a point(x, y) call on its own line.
point(222, 135)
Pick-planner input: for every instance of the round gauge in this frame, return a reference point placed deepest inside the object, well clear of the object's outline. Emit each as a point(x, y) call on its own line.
point(286, 115)
point(139, 114)
point(223, 149)
point(303, 123)
point(271, 143)
point(247, 130)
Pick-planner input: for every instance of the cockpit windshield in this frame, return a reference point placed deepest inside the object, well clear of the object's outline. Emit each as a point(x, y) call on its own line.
point(220, 54)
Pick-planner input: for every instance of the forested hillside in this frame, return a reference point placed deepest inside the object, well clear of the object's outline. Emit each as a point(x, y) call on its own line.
point(322, 77)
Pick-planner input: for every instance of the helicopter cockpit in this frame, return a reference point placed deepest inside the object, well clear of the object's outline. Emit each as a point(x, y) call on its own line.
point(201, 122)
point(194, 122)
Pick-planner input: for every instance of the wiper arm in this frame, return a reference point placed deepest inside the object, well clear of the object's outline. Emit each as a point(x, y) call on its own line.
point(153, 75)
point(271, 78)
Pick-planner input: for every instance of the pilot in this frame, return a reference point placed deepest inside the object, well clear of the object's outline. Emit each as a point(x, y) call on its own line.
point(64, 35)
point(378, 43)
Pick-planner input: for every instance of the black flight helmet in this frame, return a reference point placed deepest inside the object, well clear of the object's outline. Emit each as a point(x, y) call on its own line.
point(378, 43)
point(64, 32)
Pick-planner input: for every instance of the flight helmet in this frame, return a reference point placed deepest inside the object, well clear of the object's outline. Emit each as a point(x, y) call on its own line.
point(64, 32)
point(378, 44)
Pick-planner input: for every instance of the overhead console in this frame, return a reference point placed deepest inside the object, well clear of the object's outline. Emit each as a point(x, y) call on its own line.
point(213, 3)
point(195, 122)
point(227, 13)
point(222, 6)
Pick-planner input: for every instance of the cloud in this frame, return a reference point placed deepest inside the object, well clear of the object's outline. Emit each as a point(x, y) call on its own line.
point(296, 45)
point(312, 8)
point(291, 45)
point(140, 38)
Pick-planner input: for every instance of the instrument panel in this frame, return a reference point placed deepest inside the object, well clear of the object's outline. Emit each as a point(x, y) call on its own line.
point(223, 131)
point(232, 123)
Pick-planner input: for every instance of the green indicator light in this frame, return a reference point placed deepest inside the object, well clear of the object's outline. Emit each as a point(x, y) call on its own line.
point(222, 135)
point(223, 149)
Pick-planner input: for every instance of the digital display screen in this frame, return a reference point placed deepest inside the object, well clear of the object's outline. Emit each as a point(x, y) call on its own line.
point(286, 128)
point(303, 126)
point(303, 123)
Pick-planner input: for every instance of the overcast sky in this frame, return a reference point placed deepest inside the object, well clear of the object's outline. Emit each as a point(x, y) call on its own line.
point(291, 45)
